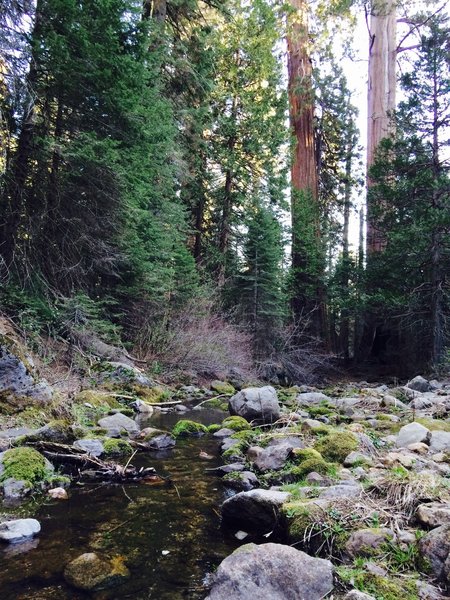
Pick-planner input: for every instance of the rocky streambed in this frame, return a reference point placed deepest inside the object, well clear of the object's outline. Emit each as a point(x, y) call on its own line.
point(339, 492)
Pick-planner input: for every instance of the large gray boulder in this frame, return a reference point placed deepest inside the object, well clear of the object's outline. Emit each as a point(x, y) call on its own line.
point(118, 424)
point(94, 446)
point(91, 572)
point(260, 404)
point(311, 398)
point(271, 571)
point(19, 530)
point(439, 441)
point(433, 514)
point(412, 434)
point(435, 548)
point(17, 380)
point(255, 510)
point(419, 384)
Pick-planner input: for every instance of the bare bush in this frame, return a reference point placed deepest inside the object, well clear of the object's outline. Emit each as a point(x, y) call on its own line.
point(296, 357)
point(201, 341)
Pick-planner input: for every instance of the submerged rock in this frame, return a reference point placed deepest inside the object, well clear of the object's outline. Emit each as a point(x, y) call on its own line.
point(19, 530)
point(256, 403)
point(91, 572)
point(271, 571)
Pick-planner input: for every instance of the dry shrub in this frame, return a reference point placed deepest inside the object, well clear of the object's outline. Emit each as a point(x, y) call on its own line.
point(296, 357)
point(201, 341)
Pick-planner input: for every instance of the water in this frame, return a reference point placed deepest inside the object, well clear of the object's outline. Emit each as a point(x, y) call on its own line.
point(136, 521)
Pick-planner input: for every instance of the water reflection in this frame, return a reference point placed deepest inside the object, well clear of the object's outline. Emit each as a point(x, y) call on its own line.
point(169, 535)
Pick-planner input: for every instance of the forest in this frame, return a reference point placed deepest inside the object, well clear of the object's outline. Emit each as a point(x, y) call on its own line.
point(185, 179)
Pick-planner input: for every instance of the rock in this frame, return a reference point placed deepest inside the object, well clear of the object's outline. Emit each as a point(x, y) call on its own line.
point(440, 441)
point(58, 493)
point(342, 491)
point(94, 447)
point(412, 434)
point(435, 548)
point(357, 595)
point(231, 468)
point(273, 457)
point(224, 432)
point(91, 572)
point(433, 514)
point(242, 481)
point(309, 398)
point(402, 458)
point(366, 542)
point(315, 478)
point(256, 403)
point(19, 530)
point(14, 489)
point(355, 459)
point(222, 387)
point(17, 380)
point(311, 425)
point(115, 425)
point(271, 571)
point(142, 407)
point(256, 510)
point(119, 372)
point(161, 442)
point(419, 384)
point(418, 447)
point(427, 591)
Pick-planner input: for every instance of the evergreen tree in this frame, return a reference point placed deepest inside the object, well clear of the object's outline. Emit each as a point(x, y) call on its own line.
point(412, 194)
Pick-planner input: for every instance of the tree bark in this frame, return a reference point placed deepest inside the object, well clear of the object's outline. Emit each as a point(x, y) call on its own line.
point(308, 293)
point(380, 98)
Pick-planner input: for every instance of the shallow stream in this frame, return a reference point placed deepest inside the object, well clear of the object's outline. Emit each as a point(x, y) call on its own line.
point(169, 536)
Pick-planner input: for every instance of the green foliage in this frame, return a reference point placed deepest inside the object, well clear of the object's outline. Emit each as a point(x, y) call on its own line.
point(382, 588)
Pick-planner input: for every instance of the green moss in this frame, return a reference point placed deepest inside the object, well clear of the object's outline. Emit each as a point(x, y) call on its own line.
point(244, 436)
point(186, 427)
point(236, 423)
point(434, 424)
point(383, 588)
point(222, 387)
point(24, 464)
point(214, 427)
point(97, 398)
point(300, 455)
point(116, 447)
point(320, 410)
point(336, 446)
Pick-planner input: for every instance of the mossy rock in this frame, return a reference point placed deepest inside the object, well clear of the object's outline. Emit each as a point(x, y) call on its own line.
point(96, 398)
point(151, 395)
point(383, 588)
point(299, 455)
point(222, 387)
point(236, 423)
point(25, 464)
point(434, 424)
point(334, 447)
point(184, 427)
point(300, 517)
point(116, 447)
point(214, 427)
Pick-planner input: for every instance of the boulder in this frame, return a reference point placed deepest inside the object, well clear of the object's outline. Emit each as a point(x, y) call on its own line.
point(142, 407)
point(91, 572)
point(433, 514)
point(117, 424)
point(419, 384)
point(224, 432)
point(435, 548)
point(309, 398)
point(412, 434)
point(18, 381)
point(260, 404)
point(357, 595)
point(355, 459)
point(366, 542)
point(353, 490)
point(19, 530)
point(439, 441)
point(271, 571)
point(273, 457)
point(94, 447)
point(15, 489)
point(256, 510)
point(163, 441)
point(241, 481)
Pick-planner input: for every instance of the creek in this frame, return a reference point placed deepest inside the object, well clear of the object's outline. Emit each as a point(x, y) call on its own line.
point(169, 535)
